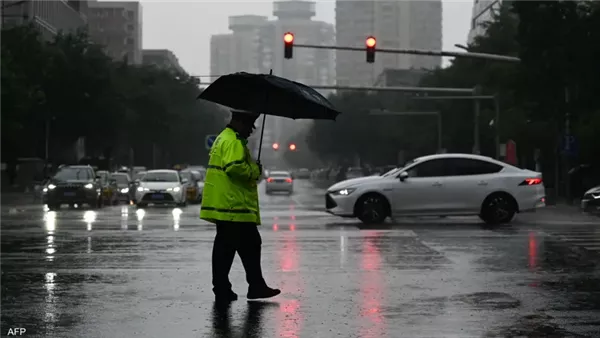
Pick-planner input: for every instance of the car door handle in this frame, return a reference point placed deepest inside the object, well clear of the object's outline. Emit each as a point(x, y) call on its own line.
point(437, 184)
point(482, 183)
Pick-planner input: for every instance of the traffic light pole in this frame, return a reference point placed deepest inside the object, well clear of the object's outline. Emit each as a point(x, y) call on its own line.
point(485, 56)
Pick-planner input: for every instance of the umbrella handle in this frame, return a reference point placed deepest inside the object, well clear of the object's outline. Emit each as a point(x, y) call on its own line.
point(262, 132)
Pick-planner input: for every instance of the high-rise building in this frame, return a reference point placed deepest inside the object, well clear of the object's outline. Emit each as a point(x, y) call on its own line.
point(482, 12)
point(395, 25)
point(117, 25)
point(163, 59)
point(236, 51)
point(308, 66)
point(50, 17)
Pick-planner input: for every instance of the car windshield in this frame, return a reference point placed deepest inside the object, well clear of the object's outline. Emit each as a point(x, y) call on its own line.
point(66, 174)
point(160, 177)
point(121, 179)
point(186, 174)
point(279, 174)
point(392, 172)
point(139, 175)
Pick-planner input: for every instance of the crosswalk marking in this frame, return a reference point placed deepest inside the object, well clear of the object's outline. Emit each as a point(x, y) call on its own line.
point(587, 239)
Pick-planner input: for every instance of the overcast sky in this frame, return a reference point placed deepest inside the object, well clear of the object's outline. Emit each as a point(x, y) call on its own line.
point(185, 27)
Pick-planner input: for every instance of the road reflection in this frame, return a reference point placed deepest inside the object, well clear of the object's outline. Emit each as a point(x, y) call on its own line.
point(533, 258)
point(371, 289)
point(50, 225)
point(289, 318)
point(140, 213)
point(176, 217)
point(50, 304)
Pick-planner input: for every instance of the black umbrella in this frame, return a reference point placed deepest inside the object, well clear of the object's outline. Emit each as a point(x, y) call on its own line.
point(270, 95)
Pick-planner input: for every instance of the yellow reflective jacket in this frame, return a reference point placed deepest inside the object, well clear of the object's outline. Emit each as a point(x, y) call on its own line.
point(230, 188)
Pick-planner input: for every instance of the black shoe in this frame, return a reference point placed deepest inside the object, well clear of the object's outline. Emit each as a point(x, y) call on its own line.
point(262, 292)
point(226, 297)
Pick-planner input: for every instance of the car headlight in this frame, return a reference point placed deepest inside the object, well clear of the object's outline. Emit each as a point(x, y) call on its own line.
point(124, 190)
point(176, 189)
point(343, 192)
point(89, 186)
point(140, 189)
point(51, 186)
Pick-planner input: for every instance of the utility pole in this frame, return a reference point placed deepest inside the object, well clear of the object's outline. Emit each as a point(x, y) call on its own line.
point(497, 126)
point(47, 132)
point(477, 112)
point(567, 145)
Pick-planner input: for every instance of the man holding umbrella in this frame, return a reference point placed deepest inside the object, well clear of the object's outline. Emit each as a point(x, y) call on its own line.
point(230, 200)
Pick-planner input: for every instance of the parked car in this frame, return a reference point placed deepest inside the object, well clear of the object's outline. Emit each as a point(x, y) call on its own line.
point(440, 185)
point(73, 185)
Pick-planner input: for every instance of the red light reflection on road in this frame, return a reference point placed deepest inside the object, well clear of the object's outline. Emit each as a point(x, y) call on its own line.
point(275, 227)
point(371, 290)
point(293, 227)
point(532, 255)
point(289, 317)
point(289, 255)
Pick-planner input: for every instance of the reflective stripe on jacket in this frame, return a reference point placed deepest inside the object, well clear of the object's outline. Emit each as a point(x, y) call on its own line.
point(230, 188)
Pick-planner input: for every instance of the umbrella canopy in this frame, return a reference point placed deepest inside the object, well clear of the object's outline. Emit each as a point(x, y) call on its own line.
point(270, 95)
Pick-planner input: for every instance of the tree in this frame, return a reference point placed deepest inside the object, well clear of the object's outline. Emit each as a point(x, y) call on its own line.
point(70, 87)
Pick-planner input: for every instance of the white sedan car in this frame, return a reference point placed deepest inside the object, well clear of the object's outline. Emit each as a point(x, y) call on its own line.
point(440, 185)
point(161, 187)
point(279, 181)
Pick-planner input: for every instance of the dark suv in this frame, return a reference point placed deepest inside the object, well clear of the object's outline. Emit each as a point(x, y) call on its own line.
point(72, 185)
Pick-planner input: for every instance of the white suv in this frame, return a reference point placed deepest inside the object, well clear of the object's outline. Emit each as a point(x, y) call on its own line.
point(440, 185)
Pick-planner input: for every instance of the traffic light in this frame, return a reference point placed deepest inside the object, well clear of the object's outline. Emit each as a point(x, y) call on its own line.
point(288, 45)
point(371, 42)
point(292, 147)
point(275, 146)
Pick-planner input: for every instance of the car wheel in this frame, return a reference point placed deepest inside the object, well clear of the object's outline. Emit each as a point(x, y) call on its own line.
point(54, 207)
point(182, 204)
point(141, 205)
point(498, 209)
point(372, 209)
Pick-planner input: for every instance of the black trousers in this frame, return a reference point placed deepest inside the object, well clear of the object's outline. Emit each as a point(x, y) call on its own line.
point(244, 239)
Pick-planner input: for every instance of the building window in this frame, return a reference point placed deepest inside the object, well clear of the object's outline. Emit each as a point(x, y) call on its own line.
point(130, 27)
point(130, 15)
point(129, 41)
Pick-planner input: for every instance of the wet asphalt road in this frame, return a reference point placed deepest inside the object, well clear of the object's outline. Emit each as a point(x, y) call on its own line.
point(118, 272)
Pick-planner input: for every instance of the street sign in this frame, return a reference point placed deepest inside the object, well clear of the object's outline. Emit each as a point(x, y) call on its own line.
point(569, 145)
point(210, 139)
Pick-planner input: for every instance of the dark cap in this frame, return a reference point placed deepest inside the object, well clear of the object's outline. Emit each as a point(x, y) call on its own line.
point(244, 115)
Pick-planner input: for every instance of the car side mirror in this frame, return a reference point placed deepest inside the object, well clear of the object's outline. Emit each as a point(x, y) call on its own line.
point(403, 176)
point(98, 178)
point(113, 181)
point(136, 182)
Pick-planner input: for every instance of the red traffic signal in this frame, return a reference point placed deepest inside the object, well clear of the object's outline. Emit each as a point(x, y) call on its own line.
point(371, 42)
point(275, 146)
point(288, 45)
point(292, 147)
